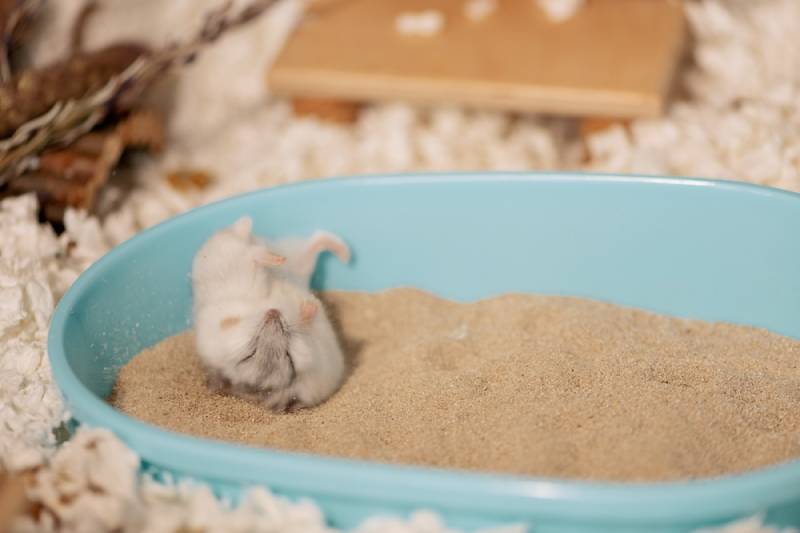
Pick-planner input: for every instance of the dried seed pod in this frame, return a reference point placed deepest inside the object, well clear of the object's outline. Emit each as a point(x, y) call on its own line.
point(51, 188)
point(73, 176)
point(69, 164)
point(592, 125)
point(142, 129)
point(34, 92)
point(90, 143)
point(189, 179)
point(66, 178)
point(330, 110)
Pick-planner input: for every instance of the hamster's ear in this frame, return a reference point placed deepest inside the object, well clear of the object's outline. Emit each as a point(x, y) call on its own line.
point(243, 226)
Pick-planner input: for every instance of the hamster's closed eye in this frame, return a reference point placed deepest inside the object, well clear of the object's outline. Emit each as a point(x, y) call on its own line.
point(249, 356)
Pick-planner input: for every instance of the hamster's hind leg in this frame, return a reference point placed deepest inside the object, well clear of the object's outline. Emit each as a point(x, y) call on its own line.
point(319, 242)
point(285, 401)
point(218, 383)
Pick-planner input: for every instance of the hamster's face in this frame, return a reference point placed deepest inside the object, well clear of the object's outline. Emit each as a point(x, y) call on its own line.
point(288, 328)
point(248, 344)
point(224, 333)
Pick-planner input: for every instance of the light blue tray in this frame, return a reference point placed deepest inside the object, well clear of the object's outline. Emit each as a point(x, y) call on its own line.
point(692, 248)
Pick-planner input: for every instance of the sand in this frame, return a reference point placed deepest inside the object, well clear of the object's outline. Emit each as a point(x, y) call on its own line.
point(523, 384)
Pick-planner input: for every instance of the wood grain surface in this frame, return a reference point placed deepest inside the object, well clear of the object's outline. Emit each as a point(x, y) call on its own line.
point(613, 58)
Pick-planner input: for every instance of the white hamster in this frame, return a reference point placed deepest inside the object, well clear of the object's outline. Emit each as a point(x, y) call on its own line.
point(259, 330)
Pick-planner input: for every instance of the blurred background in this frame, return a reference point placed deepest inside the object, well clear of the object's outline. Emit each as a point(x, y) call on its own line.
point(340, 87)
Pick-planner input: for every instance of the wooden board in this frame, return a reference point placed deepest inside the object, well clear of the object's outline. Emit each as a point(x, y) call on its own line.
point(613, 58)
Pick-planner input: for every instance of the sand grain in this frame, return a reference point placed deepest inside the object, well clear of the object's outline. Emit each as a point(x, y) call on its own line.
point(524, 384)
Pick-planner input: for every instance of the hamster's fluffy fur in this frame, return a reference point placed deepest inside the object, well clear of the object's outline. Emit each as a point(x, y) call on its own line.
point(291, 361)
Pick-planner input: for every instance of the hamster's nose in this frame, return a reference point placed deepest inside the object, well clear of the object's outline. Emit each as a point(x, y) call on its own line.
point(272, 315)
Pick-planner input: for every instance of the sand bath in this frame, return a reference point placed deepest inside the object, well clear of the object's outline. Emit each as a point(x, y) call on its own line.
point(524, 384)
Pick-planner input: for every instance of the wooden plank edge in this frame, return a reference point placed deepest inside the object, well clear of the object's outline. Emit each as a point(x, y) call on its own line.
point(484, 95)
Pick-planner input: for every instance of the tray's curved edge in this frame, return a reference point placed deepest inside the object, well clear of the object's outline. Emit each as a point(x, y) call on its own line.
point(706, 501)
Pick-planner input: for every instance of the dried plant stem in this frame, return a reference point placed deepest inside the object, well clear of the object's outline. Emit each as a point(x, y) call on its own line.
point(73, 176)
point(79, 26)
point(35, 91)
point(14, 15)
point(68, 119)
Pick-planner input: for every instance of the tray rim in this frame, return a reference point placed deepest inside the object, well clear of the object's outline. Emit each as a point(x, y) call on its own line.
point(670, 502)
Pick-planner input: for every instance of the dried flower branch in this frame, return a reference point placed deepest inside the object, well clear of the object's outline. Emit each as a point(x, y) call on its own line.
point(79, 26)
point(15, 16)
point(35, 92)
point(70, 117)
point(73, 176)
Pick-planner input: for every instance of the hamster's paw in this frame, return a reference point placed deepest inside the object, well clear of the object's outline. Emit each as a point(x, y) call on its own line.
point(284, 402)
point(268, 258)
point(308, 310)
point(218, 383)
